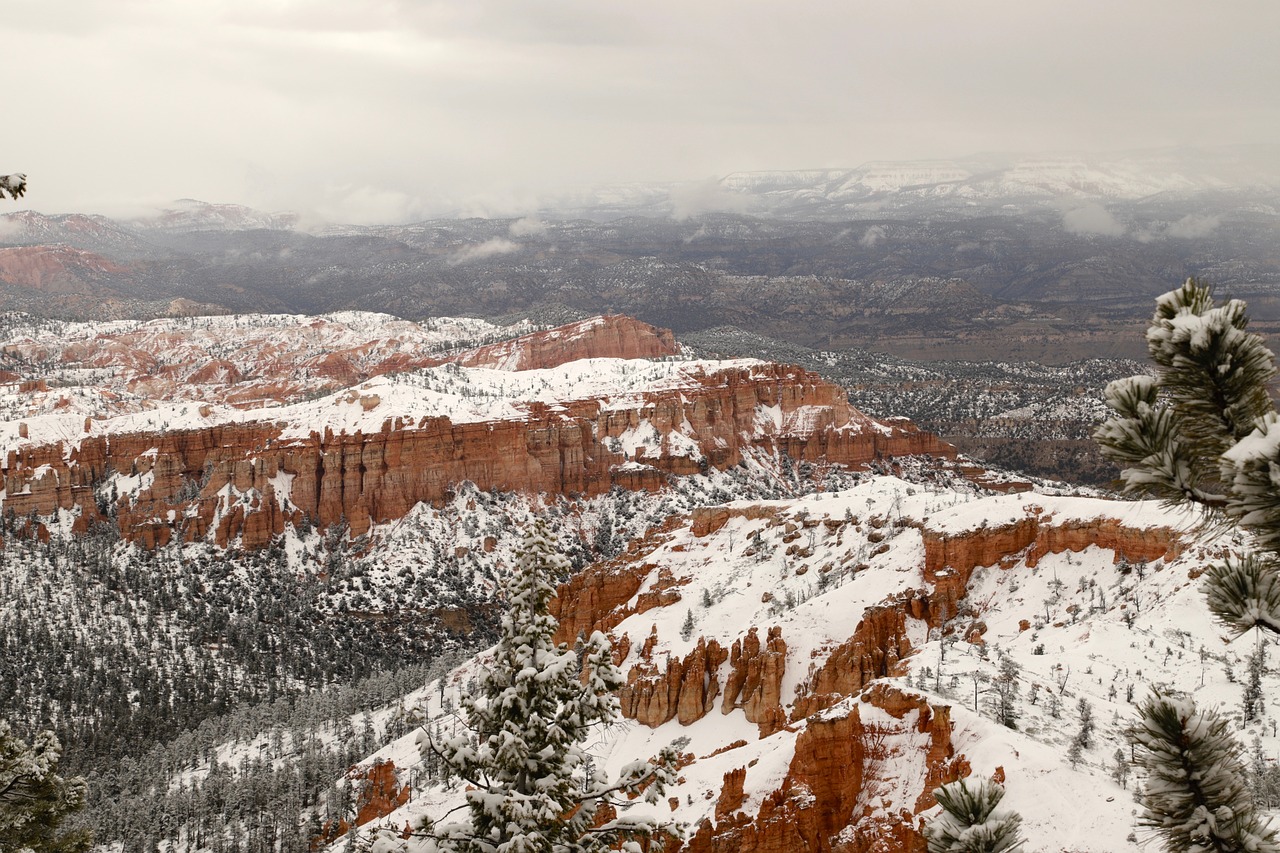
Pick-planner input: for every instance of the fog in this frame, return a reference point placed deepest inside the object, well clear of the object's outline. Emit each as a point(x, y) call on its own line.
point(391, 110)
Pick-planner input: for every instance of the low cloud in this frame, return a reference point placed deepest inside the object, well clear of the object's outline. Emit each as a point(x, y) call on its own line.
point(487, 249)
point(1189, 227)
point(367, 206)
point(529, 226)
point(1192, 226)
point(1091, 219)
point(709, 196)
point(12, 227)
point(696, 235)
point(873, 236)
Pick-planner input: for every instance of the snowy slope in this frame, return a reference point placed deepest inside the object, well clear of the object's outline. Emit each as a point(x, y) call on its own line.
point(463, 395)
point(1081, 625)
point(106, 368)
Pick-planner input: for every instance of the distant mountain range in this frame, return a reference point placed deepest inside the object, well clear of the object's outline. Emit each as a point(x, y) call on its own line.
point(982, 181)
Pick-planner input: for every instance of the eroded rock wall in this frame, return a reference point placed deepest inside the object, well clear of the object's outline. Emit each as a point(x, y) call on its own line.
point(243, 482)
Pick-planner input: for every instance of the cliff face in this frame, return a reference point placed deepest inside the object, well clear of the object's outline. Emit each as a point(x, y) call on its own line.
point(824, 689)
point(378, 791)
point(611, 336)
point(243, 481)
point(841, 755)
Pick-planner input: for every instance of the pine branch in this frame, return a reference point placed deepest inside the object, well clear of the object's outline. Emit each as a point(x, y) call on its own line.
point(1195, 795)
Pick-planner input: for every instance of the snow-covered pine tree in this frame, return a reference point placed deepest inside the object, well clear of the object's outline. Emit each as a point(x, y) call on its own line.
point(1195, 794)
point(34, 799)
point(970, 823)
point(523, 753)
point(1203, 431)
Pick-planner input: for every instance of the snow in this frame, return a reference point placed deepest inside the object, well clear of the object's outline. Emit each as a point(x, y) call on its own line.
point(463, 395)
point(1096, 631)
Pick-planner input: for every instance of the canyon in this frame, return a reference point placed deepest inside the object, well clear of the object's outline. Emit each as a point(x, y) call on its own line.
point(807, 685)
point(241, 475)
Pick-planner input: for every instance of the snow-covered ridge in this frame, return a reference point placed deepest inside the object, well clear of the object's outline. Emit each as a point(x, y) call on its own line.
point(111, 368)
point(1080, 624)
point(1130, 177)
point(461, 394)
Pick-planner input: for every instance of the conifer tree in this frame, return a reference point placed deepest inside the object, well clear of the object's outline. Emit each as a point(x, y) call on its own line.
point(34, 799)
point(970, 823)
point(531, 785)
point(1203, 431)
point(1194, 796)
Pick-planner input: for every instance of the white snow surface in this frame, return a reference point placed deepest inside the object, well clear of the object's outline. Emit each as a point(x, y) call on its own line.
point(1101, 631)
point(461, 394)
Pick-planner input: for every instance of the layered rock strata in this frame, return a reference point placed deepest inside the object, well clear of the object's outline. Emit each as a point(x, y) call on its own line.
point(243, 482)
point(850, 724)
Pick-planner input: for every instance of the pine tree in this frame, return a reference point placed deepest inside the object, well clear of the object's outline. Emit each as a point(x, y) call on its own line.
point(1004, 692)
point(1203, 431)
point(1253, 698)
point(1195, 794)
point(970, 823)
point(530, 789)
point(688, 627)
point(34, 799)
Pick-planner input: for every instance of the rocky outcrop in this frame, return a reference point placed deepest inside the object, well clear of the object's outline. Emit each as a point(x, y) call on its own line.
point(243, 482)
point(754, 683)
point(686, 689)
point(950, 558)
point(378, 793)
point(877, 649)
point(611, 336)
point(683, 689)
point(849, 727)
point(280, 360)
point(823, 804)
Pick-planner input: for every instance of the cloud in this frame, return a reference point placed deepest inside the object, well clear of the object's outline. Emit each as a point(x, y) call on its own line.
point(487, 249)
point(11, 226)
point(267, 103)
point(709, 196)
point(696, 235)
point(1192, 226)
point(367, 205)
point(529, 226)
point(875, 234)
point(1091, 218)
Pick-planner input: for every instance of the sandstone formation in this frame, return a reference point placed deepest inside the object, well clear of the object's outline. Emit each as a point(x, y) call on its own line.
point(378, 793)
point(876, 650)
point(224, 481)
point(754, 682)
point(951, 559)
point(611, 336)
point(683, 689)
point(821, 804)
point(272, 359)
point(848, 718)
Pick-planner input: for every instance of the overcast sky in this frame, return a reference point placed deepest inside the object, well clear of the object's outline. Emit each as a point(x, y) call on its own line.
point(387, 110)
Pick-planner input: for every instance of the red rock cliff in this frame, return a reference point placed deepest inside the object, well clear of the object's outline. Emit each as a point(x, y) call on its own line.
point(821, 804)
point(847, 720)
point(234, 470)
